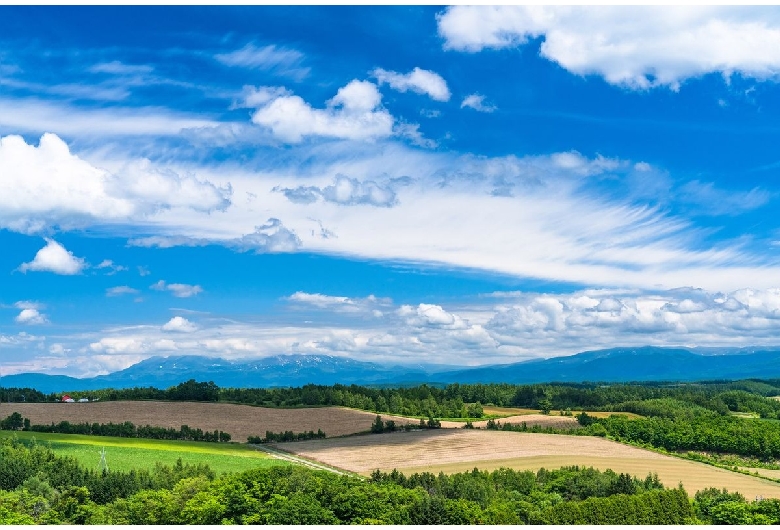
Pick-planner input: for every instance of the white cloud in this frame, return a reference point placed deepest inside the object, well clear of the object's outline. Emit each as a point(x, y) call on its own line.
point(499, 328)
point(37, 116)
point(120, 68)
point(183, 290)
point(179, 324)
point(279, 60)
point(272, 236)
point(54, 258)
point(46, 185)
point(345, 191)
point(477, 102)
point(341, 304)
point(715, 201)
point(112, 267)
point(634, 46)
point(418, 80)
point(354, 113)
point(58, 349)
point(535, 216)
point(120, 290)
point(179, 290)
point(30, 316)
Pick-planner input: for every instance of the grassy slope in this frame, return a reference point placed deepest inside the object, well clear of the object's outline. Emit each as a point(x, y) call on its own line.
point(123, 454)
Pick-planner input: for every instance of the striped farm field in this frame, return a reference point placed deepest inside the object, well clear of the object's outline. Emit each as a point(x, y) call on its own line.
point(456, 450)
point(542, 420)
point(240, 421)
point(124, 454)
point(503, 412)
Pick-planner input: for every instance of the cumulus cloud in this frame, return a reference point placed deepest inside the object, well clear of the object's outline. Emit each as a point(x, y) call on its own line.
point(354, 113)
point(180, 324)
point(30, 316)
point(418, 80)
point(272, 236)
point(46, 185)
point(633, 46)
point(152, 188)
point(345, 191)
point(477, 102)
point(54, 258)
point(179, 290)
point(681, 317)
point(498, 328)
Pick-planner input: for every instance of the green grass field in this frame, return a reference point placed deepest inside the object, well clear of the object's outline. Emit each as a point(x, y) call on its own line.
point(124, 454)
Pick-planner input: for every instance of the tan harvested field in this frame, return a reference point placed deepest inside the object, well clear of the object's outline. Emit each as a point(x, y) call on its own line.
point(512, 411)
point(453, 451)
point(558, 422)
point(769, 473)
point(239, 421)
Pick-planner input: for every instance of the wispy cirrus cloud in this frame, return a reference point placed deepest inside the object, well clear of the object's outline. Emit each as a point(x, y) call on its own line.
point(276, 59)
point(37, 116)
point(121, 290)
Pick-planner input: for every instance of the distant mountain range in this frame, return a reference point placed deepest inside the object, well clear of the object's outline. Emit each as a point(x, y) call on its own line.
point(613, 365)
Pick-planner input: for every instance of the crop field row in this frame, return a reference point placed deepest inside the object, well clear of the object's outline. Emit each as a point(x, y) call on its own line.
point(453, 450)
point(124, 454)
point(240, 421)
point(505, 412)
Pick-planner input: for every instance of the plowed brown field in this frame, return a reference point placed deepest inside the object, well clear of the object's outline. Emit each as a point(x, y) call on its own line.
point(239, 421)
point(459, 450)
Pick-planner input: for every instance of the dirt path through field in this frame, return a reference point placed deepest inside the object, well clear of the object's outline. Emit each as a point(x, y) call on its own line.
point(461, 450)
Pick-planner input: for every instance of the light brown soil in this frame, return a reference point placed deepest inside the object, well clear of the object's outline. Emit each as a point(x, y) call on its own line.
point(514, 411)
point(461, 450)
point(239, 421)
point(558, 422)
point(769, 473)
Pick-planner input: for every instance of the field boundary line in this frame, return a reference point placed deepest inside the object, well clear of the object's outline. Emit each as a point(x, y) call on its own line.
point(295, 459)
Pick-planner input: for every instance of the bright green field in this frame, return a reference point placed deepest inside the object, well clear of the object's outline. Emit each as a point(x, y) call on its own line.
point(124, 454)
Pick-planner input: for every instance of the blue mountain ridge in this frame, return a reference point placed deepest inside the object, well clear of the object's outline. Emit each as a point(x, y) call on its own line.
point(611, 365)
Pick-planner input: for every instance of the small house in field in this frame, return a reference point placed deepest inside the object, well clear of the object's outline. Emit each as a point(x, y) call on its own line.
point(67, 399)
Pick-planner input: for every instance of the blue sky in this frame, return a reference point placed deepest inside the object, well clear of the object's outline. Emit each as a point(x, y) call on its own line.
point(463, 185)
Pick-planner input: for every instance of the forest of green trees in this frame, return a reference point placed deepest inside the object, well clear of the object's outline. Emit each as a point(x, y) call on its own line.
point(676, 416)
point(38, 487)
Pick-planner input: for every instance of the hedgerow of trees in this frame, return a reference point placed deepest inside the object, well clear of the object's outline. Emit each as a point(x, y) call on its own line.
point(38, 487)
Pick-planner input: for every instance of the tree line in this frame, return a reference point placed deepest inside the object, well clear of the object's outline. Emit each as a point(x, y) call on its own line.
point(463, 401)
point(286, 436)
point(36, 486)
point(126, 429)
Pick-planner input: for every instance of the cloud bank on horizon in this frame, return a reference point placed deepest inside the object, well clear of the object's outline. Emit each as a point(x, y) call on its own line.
point(480, 184)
